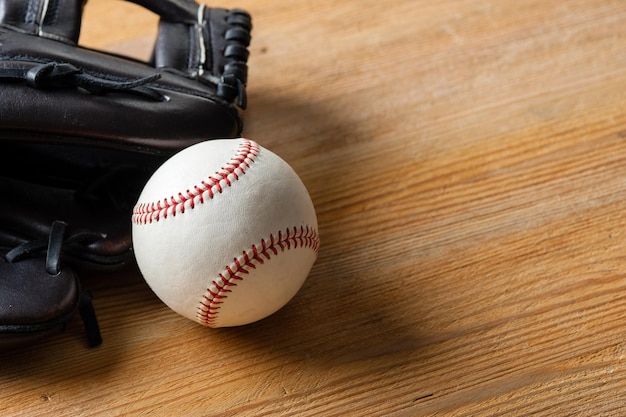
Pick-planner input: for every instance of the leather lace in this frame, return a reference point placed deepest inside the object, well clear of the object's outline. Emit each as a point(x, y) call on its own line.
point(63, 75)
point(53, 246)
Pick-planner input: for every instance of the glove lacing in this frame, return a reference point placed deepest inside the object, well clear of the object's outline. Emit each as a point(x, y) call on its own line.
point(53, 246)
point(63, 75)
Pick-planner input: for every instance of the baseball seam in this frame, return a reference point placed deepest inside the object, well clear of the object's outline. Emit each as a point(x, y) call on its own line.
point(292, 238)
point(146, 213)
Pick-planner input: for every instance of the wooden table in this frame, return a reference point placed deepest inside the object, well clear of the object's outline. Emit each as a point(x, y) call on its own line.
point(467, 160)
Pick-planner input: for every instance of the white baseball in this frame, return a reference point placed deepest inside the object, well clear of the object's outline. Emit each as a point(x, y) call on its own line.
point(225, 232)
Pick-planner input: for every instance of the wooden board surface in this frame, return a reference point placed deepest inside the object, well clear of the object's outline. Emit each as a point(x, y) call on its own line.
point(467, 160)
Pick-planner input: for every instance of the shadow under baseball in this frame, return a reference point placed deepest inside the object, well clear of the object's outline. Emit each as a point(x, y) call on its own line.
point(336, 317)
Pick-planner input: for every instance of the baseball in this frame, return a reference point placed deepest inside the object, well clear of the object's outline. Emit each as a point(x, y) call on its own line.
point(225, 232)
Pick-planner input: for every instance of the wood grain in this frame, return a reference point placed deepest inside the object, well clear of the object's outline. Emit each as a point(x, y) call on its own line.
point(467, 160)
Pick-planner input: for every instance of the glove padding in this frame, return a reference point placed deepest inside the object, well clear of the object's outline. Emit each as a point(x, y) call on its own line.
point(81, 131)
point(56, 91)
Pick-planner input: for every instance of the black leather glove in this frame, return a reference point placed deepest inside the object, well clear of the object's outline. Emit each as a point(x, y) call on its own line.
point(81, 130)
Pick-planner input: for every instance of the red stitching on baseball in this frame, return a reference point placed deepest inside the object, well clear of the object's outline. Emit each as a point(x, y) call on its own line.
point(145, 213)
point(209, 306)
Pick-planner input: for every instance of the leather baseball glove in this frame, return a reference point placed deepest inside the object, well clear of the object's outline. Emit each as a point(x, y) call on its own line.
point(81, 130)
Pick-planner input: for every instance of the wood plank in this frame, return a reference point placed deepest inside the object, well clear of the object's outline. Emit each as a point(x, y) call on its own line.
point(467, 162)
